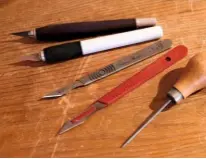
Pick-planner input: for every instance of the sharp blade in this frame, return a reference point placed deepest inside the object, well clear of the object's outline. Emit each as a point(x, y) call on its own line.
point(33, 57)
point(68, 126)
point(55, 94)
point(22, 34)
point(52, 95)
point(82, 117)
point(146, 122)
point(62, 91)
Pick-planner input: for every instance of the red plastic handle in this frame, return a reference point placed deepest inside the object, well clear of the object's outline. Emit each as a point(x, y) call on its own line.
point(141, 77)
point(144, 75)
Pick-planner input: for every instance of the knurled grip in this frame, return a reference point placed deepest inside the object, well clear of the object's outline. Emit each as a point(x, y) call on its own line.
point(144, 75)
point(62, 52)
point(127, 61)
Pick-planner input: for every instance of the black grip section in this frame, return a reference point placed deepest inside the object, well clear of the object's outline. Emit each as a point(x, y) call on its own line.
point(62, 52)
point(69, 31)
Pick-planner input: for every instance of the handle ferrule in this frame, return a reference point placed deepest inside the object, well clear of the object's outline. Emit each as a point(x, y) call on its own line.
point(175, 95)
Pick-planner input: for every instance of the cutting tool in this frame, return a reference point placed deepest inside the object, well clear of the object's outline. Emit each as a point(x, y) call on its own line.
point(69, 31)
point(138, 79)
point(192, 79)
point(117, 66)
point(72, 50)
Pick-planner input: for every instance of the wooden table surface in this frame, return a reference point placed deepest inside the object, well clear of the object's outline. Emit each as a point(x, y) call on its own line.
point(29, 126)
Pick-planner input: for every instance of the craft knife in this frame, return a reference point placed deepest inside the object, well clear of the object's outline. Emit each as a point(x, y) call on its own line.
point(117, 66)
point(127, 86)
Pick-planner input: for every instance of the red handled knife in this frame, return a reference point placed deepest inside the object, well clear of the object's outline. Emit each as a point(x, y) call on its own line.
point(150, 71)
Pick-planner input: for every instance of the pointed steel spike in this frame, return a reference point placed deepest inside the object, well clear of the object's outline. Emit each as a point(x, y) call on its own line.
point(68, 126)
point(146, 122)
point(22, 34)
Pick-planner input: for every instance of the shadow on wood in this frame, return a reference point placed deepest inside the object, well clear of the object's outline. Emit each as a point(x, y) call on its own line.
point(25, 40)
point(29, 63)
point(165, 85)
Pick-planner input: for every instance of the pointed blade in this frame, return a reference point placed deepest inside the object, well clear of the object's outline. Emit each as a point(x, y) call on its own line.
point(22, 34)
point(62, 91)
point(53, 95)
point(58, 93)
point(68, 126)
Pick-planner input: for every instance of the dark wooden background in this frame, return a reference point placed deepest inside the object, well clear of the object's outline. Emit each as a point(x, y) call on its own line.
point(29, 126)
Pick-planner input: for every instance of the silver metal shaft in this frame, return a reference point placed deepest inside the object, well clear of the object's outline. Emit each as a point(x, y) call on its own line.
point(146, 122)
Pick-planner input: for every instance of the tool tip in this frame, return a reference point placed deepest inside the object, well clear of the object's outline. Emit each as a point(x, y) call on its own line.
point(51, 96)
point(61, 131)
point(124, 145)
point(22, 34)
point(57, 93)
point(64, 128)
point(69, 125)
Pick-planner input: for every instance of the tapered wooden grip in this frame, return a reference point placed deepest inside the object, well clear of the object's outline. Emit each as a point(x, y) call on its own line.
point(193, 77)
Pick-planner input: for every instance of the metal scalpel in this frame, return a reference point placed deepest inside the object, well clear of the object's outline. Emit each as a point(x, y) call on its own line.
point(117, 66)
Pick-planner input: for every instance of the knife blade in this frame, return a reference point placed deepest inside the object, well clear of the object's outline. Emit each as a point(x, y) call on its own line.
point(117, 66)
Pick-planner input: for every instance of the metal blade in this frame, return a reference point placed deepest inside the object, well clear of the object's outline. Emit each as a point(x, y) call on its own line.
point(146, 122)
point(22, 34)
point(82, 117)
point(120, 64)
point(64, 90)
point(69, 125)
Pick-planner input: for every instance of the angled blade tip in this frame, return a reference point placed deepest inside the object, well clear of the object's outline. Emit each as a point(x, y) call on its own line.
point(53, 95)
point(124, 145)
point(64, 90)
point(58, 93)
point(22, 34)
point(62, 130)
point(68, 126)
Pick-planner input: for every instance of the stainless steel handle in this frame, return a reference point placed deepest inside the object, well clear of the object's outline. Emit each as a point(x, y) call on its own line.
point(123, 63)
point(127, 61)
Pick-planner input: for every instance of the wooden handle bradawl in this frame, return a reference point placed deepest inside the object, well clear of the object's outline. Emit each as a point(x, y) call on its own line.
point(193, 77)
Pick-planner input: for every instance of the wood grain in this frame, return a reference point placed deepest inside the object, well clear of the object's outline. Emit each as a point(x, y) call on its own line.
point(29, 126)
point(193, 77)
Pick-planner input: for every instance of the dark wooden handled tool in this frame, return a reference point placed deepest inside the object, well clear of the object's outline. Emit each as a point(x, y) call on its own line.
point(69, 31)
point(192, 79)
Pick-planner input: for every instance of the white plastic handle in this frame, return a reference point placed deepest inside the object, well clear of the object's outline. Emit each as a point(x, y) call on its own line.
point(122, 39)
